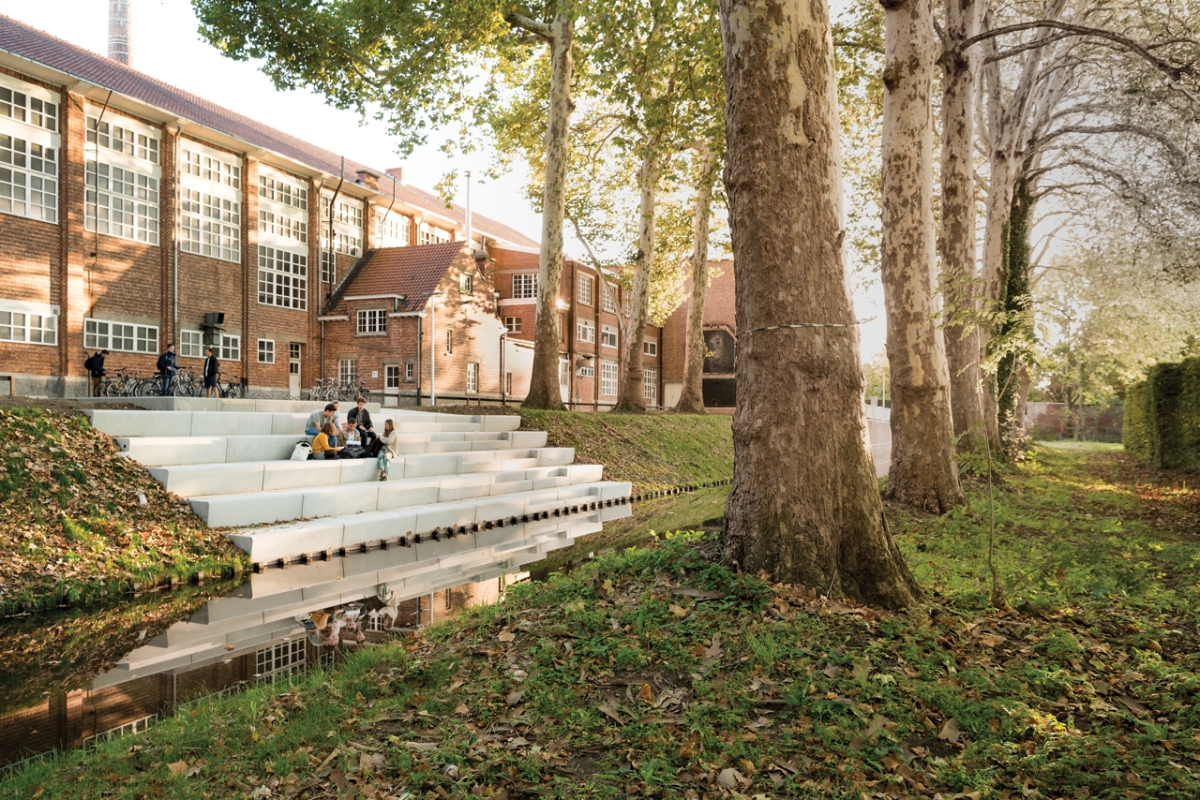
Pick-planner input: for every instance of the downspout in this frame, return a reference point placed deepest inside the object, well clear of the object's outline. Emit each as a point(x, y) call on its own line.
point(468, 208)
point(332, 255)
point(571, 301)
point(96, 220)
point(387, 213)
point(597, 299)
point(503, 393)
point(175, 278)
point(419, 332)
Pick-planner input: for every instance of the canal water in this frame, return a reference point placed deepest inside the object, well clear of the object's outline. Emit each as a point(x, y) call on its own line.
point(79, 676)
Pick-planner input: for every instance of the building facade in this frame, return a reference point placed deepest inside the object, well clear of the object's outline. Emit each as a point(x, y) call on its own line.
point(720, 340)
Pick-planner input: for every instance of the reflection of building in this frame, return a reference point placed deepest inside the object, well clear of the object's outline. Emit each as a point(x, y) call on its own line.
point(720, 338)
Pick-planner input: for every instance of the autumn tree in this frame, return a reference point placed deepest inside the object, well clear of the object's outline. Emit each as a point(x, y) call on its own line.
point(804, 505)
point(412, 65)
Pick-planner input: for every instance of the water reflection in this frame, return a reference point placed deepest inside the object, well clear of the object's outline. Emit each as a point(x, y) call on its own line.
point(82, 676)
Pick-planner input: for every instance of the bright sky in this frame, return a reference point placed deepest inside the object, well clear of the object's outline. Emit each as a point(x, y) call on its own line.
point(167, 46)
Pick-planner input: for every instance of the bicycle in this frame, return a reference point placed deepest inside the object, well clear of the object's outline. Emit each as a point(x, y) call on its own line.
point(231, 388)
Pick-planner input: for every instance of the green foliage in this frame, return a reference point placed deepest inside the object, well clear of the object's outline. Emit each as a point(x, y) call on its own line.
point(1162, 416)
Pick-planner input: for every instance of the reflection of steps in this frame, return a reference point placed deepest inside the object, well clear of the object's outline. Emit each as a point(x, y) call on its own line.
point(455, 475)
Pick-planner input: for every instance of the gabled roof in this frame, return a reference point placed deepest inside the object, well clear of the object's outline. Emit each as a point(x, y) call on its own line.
point(40, 47)
point(413, 271)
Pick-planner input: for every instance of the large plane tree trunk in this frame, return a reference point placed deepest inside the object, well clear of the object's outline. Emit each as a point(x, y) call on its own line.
point(543, 383)
point(804, 506)
point(923, 472)
point(691, 398)
point(956, 241)
point(632, 400)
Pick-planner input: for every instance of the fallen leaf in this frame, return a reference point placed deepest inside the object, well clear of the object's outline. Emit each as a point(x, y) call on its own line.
point(368, 762)
point(1130, 703)
point(701, 594)
point(461, 709)
point(714, 649)
point(506, 636)
point(646, 695)
point(195, 770)
point(950, 731)
point(178, 768)
point(611, 713)
point(514, 697)
point(420, 745)
point(678, 611)
point(730, 778)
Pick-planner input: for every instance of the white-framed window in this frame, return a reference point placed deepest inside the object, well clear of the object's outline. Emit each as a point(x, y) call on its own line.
point(210, 202)
point(347, 224)
point(231, 347)
point(121, 202)
point(278, 188)
point(191, 344)
point(449, 342)
point(586, 372)
point(650, 347)
point(585, 331)
point(508, 383)
point(431, 235)
point(650, 384)
point(328, 267)
point(608, 379)
point(124, 136)
point(294, 358)
point(27, 103)
point(282, 226)
point(28, 175)
point(372, 320)
point(348, 370)
point(466, 284)
point(610, 298)
point(119, 337)
point(31, 323)
point(392, 229)
point(608, 336)
point(266, 351)
point(524, 285)
point(512, 324)
point(282, 278)
point(409, 372)
point(282, 660)
point(472, 378)
point(584, 293)
point(391, 376)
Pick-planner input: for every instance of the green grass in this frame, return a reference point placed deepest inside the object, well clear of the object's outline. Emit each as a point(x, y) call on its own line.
point(657, 672)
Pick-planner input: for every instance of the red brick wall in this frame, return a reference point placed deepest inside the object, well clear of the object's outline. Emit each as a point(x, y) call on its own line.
point(719, 311)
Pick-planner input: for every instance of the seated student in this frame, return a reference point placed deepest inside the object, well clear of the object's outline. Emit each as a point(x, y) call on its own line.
point(325, 445)
point(318, 418)
point(385, 448)
point(361, 419)
point(348, 435)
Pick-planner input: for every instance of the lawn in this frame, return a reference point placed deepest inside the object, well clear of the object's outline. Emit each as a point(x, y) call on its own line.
point(658, 672)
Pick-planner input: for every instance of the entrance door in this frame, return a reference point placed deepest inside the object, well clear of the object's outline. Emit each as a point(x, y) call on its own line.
point(294, 370)
point(564, 379)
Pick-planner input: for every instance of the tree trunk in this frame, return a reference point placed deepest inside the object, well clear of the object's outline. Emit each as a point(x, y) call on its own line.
point(1016, 328)
point(543, 383)
point(957, 240)
point(999, 202)
point(691, 399)
point(632, 400)
point(804, 505)
point(923, 472)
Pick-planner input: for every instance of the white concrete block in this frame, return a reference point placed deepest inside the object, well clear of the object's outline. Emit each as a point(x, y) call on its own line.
point(286, 541)
point(498, 423)
point(464, 427)
point(429, 465)
point(300, 474)
point(345, 500)
point(445, 546)
point(288, 423)
point(261, 448)
point(360, 470)
point(482, 456)
point(165, 451)
point(463, 488)
point(445, 447)
point(249, 509)
point(510, 487)
point(585, 473)
point(444, 515)
point(610, 490)
point(376, 526)
point(277, 406)
point(505, 465)
point(121, 422)
point(616, 512)
point(208, 479)
point(550, 483)
point(556, 456)
point(499, 508)
point(230, 423)
point(399, 494)
point(533, 439)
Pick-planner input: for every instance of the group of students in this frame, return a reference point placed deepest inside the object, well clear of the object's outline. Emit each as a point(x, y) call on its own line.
point(356, 438)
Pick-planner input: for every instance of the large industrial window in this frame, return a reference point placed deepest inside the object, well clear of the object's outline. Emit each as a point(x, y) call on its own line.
point(282, 278)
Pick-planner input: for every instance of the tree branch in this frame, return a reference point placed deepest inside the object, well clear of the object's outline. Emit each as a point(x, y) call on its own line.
point(539, 29)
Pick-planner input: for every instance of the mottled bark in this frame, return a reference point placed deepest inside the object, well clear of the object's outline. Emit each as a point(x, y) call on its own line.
point(543, 383)
point(923, 472)
point(1016, 328)
point(691, 398)
point(804, 506)
point(631, 400)
point(956, 242)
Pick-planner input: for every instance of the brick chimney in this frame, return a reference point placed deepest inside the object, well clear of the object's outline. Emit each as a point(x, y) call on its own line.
point(397, 173)
point(368, 178)
point(120, 31)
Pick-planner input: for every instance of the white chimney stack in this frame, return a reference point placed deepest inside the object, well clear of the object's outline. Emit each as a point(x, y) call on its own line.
point(120, 31)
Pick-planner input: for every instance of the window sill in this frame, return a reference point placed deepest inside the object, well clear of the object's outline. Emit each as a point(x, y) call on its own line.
point(379, 335)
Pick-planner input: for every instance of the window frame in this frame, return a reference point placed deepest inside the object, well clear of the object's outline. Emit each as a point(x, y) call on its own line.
point(650, 384)
point(450, 342)
point(277, 283)
point(189, 339)
point(45, 333)
point(529, 285)
point(649, 347)
point(585, 296)
point(512, 324)
point(138, 334)
point(371, 322)
point(606, 332)
point(472, 377)
point(585, 331)
point(391, 377)
point(348, 371)
point(392, 229)
point(610, 376)
point(269, 351)
point(466, 283)
point(409, 372)
point(610, 298)
point(230, 348)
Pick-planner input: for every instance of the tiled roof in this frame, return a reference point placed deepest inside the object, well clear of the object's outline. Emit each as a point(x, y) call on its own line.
point(413, 271)
point(41, 47)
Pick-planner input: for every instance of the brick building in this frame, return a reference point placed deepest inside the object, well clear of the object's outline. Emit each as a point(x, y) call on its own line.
point(720, 338)
point(133, 215)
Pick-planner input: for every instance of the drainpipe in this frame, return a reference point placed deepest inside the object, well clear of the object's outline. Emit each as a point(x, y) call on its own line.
point(503, 394)
point(419, 318)
point(332, 247)
point(469, 208)
point(175, 278)
point(388, 213)
point(96, 220)
point(433, 348)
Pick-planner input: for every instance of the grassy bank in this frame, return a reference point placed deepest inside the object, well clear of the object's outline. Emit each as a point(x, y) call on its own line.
point(653, 451)
point(82, 524)
point(659, 673)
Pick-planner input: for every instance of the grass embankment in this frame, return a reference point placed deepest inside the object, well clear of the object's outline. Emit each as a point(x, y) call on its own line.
point(74, 528)
point(659, 673)
point(654, 452)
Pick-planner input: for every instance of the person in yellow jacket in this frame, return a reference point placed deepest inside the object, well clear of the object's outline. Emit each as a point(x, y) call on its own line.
point(325, 443)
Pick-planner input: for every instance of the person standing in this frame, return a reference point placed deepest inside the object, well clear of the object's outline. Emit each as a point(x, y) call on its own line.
point(95, 366)
point(212, 368)
point(166, 365)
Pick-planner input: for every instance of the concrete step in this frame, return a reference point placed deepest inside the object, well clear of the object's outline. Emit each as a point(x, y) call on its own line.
point(348, 530)
point(257, 508)
point(200, 480)
point(162, 451)
point(129, 423)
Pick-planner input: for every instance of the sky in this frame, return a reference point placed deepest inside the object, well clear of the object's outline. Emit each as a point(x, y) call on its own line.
point(167, 46)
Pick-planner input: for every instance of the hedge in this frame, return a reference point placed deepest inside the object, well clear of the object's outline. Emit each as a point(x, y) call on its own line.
point(1162, 416)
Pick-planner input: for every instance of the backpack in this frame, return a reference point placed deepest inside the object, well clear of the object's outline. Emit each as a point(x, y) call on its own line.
point(90, 364)
point(301, 451)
